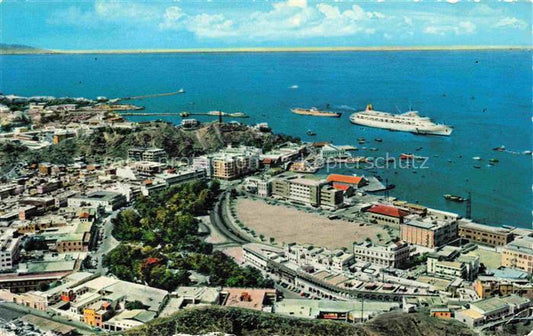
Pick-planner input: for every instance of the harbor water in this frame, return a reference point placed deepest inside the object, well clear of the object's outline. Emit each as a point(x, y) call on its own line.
point(485, 95)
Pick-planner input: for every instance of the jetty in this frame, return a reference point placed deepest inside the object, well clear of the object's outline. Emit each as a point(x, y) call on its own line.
point(155, 95)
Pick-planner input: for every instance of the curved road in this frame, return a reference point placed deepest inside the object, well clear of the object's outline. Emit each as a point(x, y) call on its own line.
point(221, 222)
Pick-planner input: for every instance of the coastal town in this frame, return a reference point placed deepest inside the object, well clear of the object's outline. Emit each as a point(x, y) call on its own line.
point(320, 246)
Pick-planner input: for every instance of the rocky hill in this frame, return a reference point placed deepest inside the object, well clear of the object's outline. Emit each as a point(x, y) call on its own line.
point(243, 322)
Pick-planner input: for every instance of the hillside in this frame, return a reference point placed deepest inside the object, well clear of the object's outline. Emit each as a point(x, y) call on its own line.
point(252, 323)
point(11, 49)
point(177, 142)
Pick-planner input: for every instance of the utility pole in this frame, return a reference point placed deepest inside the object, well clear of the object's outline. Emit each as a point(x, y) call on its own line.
point(469, 206)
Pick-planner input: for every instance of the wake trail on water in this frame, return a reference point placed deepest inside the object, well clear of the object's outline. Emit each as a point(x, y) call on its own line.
point(344, 107)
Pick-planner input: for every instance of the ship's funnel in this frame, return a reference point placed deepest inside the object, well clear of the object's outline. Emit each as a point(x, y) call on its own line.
point(369, 107)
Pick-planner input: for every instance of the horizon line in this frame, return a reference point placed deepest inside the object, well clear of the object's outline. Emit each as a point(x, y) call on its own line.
point(6, 51)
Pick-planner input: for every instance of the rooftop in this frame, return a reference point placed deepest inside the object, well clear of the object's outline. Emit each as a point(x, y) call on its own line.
point(387, 210)
point(472, 314)
point(522, 245)
point(344, 179)
point(251, 298)
point(489, 305)
point(475, 226)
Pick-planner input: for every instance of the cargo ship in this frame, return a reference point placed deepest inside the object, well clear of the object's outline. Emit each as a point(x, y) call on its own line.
point(405, 122)
point(313, 111)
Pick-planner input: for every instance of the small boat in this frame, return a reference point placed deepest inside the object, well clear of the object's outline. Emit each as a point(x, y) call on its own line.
point(527, 152)
point(419, 149)
point(477, 158)
point(184, 114)
point(311, 133)
point(454, 198)
point(361, 139)
point(406, 156)
point(373, 149)
point(181, 91)
point(494, 160)
point(378, 140)
point(499, 149)
point(238, 115)
point(477, 167)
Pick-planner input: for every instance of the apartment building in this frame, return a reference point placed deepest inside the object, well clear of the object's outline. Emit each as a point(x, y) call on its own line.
point(489, 286)
point(484, 234)
point(519, 254)
point(154, 155)
point(9, 249)
point(297, 189)
point(427, 231)
point(392, 255)
point(301, 190)
point(229, 163)
point(330, 197)
point(147, 154)
point(465, 266)
point(259, 186)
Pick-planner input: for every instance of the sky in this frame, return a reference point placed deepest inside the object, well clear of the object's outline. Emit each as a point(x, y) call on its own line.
point(186, 24)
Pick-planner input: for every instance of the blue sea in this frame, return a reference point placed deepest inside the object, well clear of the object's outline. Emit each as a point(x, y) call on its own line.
point(485, 95)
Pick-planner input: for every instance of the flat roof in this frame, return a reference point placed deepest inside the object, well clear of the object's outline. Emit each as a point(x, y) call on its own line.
point(420, 224)
point(251, 298)
point(491, 304)
point(522, 244)
point(471, 313)
point(483, 227)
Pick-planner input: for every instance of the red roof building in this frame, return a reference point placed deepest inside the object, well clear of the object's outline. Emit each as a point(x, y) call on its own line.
point(356, 181)
point(387, 210)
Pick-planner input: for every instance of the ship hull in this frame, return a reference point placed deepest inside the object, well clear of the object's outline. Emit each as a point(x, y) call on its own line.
point(317, 113)
point(441, 130)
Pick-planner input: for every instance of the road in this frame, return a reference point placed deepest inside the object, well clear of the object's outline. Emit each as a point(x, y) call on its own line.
point(220, 221)
point(108, 242)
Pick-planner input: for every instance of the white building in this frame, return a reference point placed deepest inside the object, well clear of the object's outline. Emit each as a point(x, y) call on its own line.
point(229, 163)
point(9, 249)
point(392, 255)
point(261, 187)
point(108, 200)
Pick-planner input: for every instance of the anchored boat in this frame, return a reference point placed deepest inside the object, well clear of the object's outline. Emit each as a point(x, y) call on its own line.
point(454, 198)
point(405, 122)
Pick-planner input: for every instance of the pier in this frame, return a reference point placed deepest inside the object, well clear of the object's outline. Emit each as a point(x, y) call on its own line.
point(155, 95)
point(184, 114)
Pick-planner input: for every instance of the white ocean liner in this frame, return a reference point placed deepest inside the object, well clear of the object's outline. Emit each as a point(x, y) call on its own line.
point(405, 122)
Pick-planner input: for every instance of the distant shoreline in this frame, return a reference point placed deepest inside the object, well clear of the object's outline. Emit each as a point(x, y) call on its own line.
point(260, 50)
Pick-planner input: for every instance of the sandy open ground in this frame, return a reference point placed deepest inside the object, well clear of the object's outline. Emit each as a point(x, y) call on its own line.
point(290, 225)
